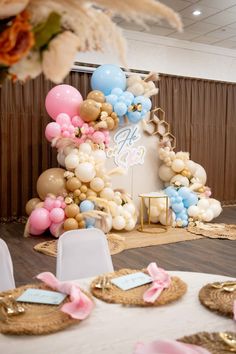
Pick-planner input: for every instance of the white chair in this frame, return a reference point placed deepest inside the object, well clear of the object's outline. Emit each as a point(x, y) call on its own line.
point(7, 281)
point(82, 253)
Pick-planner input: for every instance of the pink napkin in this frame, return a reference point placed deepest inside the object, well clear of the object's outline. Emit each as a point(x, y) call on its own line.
point(161, 280)
point(80, 305)
point(168, 347)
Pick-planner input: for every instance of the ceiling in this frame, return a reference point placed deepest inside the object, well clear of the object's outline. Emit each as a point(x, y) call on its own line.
point(215, 26)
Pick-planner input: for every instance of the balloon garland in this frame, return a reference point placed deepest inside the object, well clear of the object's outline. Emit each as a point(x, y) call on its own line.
point(80, 195)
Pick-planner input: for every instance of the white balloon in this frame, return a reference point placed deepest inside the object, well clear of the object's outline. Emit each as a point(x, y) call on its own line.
point(207, 215)
point(203, 204)
point(165, 173)
point(181, 180)
point(97, 184)
point(154, 211)
point(85, 172)
point(130, 208)
point(113, 208)
point(193, 211)
point(72, 161)
point(130, 225)
point(215, 207)
point(99, 155)
point(170, 217)
point(118, 223)
point(191, 166)
point(178, 165)
point(67, 150)
point(200, 173)
point(61, 159)
point(107, 193)
point(85, 148)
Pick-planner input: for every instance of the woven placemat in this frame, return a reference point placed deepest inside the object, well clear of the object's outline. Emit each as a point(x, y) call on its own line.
point(210, 341)
point(37, 318)
point(217, 300)
point(116, 245)
point(135, 296)
point(223, 231)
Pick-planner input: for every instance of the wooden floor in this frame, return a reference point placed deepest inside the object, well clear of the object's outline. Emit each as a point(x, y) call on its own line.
point(204, 255)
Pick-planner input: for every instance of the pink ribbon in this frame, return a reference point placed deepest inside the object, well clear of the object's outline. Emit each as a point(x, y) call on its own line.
point(161, 280)
point(168, 347)
point(79, 306)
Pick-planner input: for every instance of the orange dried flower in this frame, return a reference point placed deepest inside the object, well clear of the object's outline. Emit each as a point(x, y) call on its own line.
point(17, 40)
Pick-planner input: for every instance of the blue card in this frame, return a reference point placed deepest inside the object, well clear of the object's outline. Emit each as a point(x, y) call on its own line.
point(130, 281)
point(39, 296)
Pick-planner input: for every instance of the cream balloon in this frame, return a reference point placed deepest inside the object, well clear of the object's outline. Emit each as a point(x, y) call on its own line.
point(191, 166)
point(193, 211)
point(200, 174)
point(178, 165)
point(107, 193)
point(207, 215)
point(113, 208)
point(154, 211)
point(118, 223)
point(180, 181)
point(215, 207)
point(85, 148)
point(72, 161)
point(97, 184)
point(99, 155)
point(130, 208)
point(61, 159)
point(170, 217)
point(85, 172)
point(165, 173)
point(130, 225)
point(203, 204)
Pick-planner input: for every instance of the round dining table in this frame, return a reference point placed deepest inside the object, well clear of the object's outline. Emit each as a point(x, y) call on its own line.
point(114, 329)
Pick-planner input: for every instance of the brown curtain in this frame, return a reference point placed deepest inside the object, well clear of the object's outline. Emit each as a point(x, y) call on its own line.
point(201, 113)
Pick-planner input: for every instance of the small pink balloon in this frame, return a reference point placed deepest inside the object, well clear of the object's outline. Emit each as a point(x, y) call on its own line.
point(65, 134)
point(49, 203)
point(39, 219)
point(52, 130)
point(71, 129)
point(64, 127)
point(60, 198)
point(63, 118)
point(63, 99)
point(57, 204)
point(57, 215)
point(55, 229)
point(77, 121)
point(63, 205)
point(98, 137)
point(35, 232)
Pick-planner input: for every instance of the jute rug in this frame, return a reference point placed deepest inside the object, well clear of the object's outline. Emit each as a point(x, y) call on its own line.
point(127, 240)
point(211, 230)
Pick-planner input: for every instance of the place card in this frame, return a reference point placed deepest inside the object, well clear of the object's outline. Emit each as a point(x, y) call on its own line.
point(39, 296)
point(130, 281)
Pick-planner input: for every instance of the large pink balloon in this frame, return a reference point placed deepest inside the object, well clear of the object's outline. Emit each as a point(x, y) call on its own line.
point(63, 99)
point(39, 219)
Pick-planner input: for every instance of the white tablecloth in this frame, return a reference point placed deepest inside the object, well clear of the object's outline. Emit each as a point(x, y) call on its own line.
point(114, 329)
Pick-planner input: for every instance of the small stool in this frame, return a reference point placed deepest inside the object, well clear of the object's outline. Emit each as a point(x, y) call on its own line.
point(149, 228)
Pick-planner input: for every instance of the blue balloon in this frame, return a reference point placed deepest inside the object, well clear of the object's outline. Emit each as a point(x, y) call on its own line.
point(90, 222)
point(145, 102)
point(107, 77)
point(120, 108)
point(178, 199)
point(173, 200)
point(191, 200)
point(185, 223)
point(112, 99)
point(128, 95)
point(171, 192)
point(177, 207)
point(134, 117)
point(117, 91)
point(184, 192)
point(86, 205)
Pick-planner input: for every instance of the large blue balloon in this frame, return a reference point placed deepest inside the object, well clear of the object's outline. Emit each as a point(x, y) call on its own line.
point(107, 77)
point(86, 205)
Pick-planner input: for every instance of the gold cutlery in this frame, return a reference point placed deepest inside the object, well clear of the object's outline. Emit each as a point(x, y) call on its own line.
point(103, 283)
point(229, 286)
point(9, 307)
point(229, 340)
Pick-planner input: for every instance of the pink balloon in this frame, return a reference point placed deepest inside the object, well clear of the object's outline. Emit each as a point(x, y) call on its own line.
point(39, 219)
point(98, 137)
point(63, 99)
point(57, 215)
point(49, 203)
point(52, 130)
point(55, 229)
point(77, 121)
point(65, 134)
point(35, 232)
point(57, 203)
point(63, 118)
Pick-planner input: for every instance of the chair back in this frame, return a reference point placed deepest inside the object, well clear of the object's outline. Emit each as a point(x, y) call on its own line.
point(7, 281)
point(82, 253)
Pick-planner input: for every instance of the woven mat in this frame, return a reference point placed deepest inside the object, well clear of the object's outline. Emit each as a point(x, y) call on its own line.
point(37, 318)
point(225, 231)
point(134, 296)
point(217, 300)
point(210, 341)
point(126, 240)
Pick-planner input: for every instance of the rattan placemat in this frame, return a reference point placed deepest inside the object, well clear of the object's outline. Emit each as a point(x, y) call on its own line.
point(217, 300)
point(37, 318)
point(116, 245)
point(211, 230)
point(113, 294)
point(210, 341)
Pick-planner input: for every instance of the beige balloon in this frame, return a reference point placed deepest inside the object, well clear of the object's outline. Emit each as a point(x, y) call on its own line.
point(31, 204)
point(70, 224)
point(97, 96)
point(51, 181)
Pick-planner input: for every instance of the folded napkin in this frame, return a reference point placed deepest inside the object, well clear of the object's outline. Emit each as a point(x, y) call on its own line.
point(79, 306)
point(168, 347)
point(160, 281)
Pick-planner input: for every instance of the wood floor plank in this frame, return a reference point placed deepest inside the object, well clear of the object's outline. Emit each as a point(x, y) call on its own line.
point(204, 255)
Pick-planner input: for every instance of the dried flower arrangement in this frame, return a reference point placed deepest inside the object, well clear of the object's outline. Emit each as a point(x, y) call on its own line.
point(45, 35)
